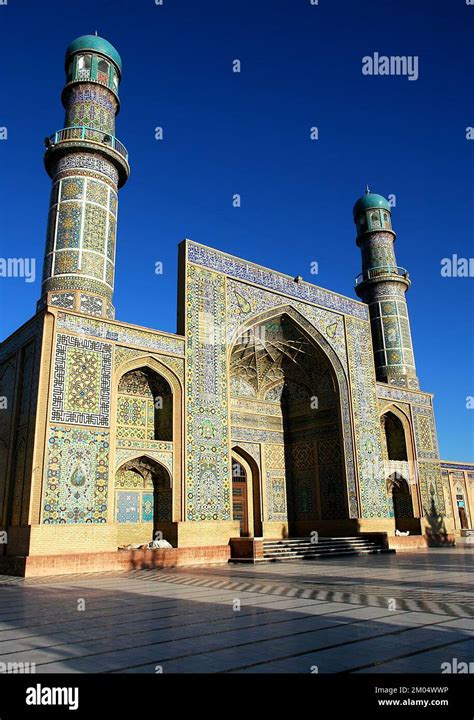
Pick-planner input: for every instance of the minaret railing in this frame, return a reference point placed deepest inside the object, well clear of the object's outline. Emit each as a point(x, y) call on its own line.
point(82, 132)
point(381, 270)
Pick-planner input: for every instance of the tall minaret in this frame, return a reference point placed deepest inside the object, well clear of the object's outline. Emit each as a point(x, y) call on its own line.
point(87, 165)
point(382, 285)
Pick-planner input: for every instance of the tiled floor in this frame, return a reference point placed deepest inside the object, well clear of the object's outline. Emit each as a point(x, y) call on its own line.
point(393, 613)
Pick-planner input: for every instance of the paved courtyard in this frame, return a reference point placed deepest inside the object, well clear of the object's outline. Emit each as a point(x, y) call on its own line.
point(392, 613)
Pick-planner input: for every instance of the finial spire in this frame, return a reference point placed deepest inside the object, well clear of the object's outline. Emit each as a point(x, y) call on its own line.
point(96, 33)
point(367, 190)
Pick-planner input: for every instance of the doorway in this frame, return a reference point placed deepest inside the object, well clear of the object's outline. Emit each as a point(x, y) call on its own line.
point(240, 510)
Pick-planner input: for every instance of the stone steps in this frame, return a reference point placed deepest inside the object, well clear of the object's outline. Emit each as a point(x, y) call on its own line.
point(304, 549)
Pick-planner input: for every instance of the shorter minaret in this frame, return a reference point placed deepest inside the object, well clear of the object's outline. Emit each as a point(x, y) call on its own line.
point(382, 285)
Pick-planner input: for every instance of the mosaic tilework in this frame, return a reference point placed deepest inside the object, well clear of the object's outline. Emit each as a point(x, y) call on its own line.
point(252, 449)
point(71, 188)
point(164, 445)
point(91, 304)
point(391, 334)
point(275, 456)
point(97, 192)
point(448, 504)
point(64, 300)
point(391, 393)
point(389, 291)
point(128, 507)
point(130, 480)
point(110, 312)
point(92, 264)
point(288, 389)
point(425, 433)
point(239, 434)
point(87, 161)
point(113, 200)
point(66, 262)
point(147, 507)
point(151, 484)
point(81, 385)
point(275, 483)
point(69, 226)
point(257, 407)
point(366, 419)
point(377, 250)
point(77, 476)
point(276, 494)
point(239, 387)
point(431, 488)
point(123, 354)
point(77, 174)
point(165, 458)
point(257, 421)
point(457, 466)
point(81, 234)
point(111, 238)
point(91, 105)
point(242, 270)
point(329, 324)
point(82, 373)
point(95, 228)
point(109, 273)
point(135, 418)
point(76, 282)
point(208, 470)
point(121, 334)
point(383, 407)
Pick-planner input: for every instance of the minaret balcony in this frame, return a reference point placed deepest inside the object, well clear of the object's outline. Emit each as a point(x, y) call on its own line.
point(384, 272)
point(88, 138)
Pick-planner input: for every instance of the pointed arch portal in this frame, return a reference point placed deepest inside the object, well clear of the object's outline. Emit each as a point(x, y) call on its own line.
point(285, 393)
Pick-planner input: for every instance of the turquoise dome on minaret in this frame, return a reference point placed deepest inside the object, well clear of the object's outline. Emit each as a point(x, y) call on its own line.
point(370, 201)
point(95, 44)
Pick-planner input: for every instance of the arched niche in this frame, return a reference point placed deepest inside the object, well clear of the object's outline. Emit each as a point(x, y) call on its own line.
point(400, 467)
point(148, 363)
point(143, 492)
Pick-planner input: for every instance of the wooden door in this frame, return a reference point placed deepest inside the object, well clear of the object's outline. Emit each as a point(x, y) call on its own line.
point(239, 497)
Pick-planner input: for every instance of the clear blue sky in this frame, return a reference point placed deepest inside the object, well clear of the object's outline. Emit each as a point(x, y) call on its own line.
point(249, 133)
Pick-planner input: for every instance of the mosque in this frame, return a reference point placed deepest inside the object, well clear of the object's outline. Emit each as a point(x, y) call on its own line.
point(279, 410)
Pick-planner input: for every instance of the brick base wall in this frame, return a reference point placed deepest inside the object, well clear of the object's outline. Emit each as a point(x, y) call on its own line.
point(44, 565)
point(420, 542)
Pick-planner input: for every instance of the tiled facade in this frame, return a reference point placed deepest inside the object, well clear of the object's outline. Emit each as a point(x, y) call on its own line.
point(132, 431)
